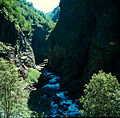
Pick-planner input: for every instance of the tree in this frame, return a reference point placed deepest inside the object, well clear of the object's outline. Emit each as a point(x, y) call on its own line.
point(1, 2)
point(13, 96)
point(102, 96)
point(23, 13)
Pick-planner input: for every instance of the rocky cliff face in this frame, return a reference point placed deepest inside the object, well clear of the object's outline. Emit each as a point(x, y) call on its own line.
point(85, 40)
point(39, 43)
point(24, 27)
point(15, 45)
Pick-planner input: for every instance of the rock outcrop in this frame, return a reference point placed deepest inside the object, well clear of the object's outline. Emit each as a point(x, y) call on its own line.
point(24, 27)
point(15, 46)
point(39, 43)
point(85, 40)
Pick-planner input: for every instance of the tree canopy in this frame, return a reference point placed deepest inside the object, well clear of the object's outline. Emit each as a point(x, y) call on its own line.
point(24, 15)
point(102, 96)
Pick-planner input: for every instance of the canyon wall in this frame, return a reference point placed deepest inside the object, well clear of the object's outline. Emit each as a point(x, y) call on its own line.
point(15, 46)
point(85, 40)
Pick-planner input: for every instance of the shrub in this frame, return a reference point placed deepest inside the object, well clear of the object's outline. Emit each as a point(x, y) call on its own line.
point(33, 76)
point(102, 96)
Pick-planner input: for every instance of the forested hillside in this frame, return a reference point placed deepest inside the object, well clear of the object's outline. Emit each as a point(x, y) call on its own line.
point(24, 15)
point(54, 15)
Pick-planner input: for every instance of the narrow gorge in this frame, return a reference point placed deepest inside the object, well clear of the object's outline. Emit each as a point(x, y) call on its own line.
point(63, 63)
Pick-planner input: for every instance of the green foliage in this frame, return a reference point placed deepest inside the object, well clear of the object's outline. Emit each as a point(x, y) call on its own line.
point(54, 15)
point(0, 2)
point(33, 76)
point(39, 115)
point(3, 47)
point(13, 96)
point(24, 15)
point(102, 96)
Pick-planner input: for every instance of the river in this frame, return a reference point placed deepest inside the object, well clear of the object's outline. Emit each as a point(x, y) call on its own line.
point(52, 101)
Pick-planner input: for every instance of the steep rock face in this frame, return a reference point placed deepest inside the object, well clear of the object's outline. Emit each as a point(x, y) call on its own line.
point(85, 40)
point(32, 26)
point(15, 45)
point(39, 43)
point(41, 33)
point(8, 32)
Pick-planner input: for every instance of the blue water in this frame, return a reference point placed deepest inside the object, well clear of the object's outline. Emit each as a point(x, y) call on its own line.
point(64, 106)
point(56, 86)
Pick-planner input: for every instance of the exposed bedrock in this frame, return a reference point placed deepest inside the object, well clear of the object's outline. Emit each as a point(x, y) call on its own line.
point(85, 40)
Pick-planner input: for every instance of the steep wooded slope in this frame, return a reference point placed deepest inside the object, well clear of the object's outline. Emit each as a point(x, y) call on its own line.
point(19, 24)
point(54, 15)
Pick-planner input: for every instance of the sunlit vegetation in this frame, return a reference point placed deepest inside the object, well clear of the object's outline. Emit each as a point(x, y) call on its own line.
point(102, 96)
point(33, 76)
point(13, 95)
point(54, 15)
point(14, 92)
point(24, 15)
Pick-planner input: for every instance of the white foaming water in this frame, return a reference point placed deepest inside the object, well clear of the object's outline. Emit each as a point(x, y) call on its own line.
point(54, 79)
point(46, 73)
point(53, 82)
point(54, 86)
point(71, 108)
point(54, 109)
point(62, 105)
point(61, 95)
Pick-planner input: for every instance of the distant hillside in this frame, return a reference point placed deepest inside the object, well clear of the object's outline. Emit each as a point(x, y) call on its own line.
point(54, 15)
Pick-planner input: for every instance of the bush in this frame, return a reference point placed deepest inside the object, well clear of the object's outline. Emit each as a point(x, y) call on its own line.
point(102, 96)
point(33, 76)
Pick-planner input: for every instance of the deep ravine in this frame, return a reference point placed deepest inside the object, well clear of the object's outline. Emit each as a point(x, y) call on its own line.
point(52, 101)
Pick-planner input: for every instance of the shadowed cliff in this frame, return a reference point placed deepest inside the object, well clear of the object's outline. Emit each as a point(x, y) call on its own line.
point(85, 40)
